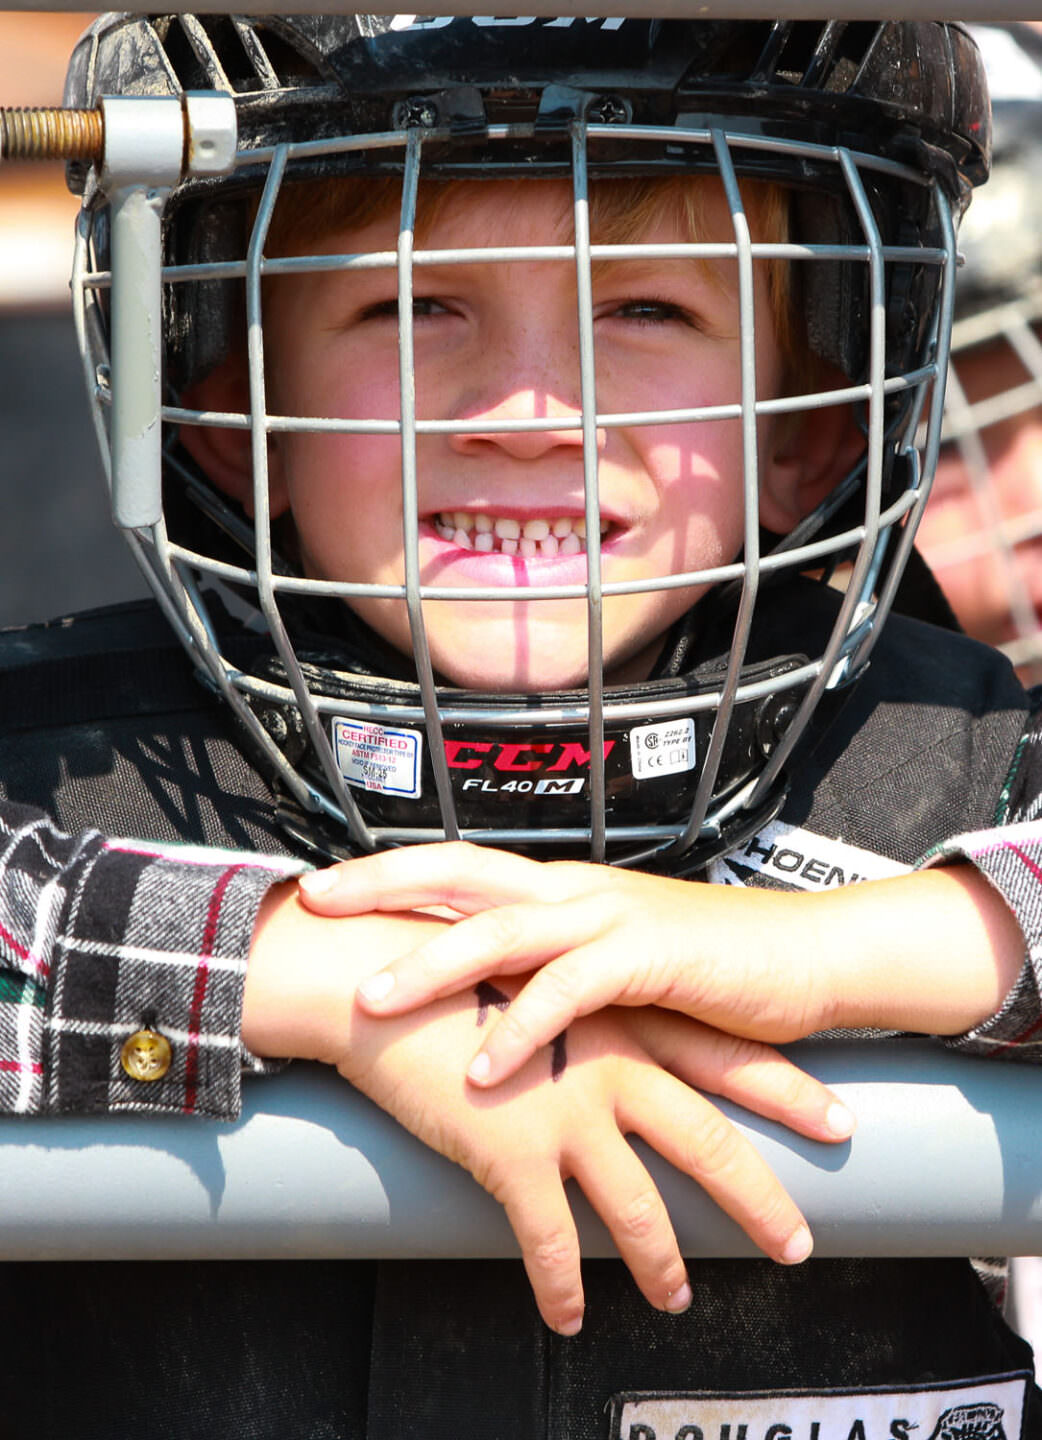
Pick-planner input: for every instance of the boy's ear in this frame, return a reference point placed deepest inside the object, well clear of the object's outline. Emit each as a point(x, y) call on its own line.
point(224, 453)
point(811, 452)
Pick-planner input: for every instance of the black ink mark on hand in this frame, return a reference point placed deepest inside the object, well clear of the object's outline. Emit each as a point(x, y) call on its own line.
point(488, 996)
point(558, 1056)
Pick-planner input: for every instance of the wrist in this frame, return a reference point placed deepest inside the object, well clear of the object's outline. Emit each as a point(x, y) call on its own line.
point(275, 943)
point(304, 971)
point(940, 961)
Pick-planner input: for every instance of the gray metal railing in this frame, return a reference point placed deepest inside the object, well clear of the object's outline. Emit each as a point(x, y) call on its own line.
point(945, 1161)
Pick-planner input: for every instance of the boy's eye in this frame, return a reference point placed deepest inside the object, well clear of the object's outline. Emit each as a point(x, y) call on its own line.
point(652, 312)
point(423, 306)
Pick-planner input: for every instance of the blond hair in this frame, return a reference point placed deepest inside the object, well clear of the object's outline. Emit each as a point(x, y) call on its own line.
point(622, 211)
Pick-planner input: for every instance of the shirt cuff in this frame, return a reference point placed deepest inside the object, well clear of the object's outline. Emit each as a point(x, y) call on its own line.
point(153, 942)
point(1011, 860)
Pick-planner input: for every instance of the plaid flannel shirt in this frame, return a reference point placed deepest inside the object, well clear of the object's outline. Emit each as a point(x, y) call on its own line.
point(1011, 859)
point(100, 938)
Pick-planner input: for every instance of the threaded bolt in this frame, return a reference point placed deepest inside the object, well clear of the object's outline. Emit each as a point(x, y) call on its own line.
point(51, 133)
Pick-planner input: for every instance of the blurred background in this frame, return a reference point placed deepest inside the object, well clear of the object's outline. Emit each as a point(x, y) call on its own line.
point(982, 530)
point(58, 549)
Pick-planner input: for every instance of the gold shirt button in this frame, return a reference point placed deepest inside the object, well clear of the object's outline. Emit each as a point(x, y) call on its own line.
point(146, 1055)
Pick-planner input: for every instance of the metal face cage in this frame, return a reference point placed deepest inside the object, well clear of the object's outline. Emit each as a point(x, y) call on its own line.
point(736, 723)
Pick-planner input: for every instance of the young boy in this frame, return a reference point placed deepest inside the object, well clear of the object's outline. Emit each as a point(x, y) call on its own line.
point(450, 449)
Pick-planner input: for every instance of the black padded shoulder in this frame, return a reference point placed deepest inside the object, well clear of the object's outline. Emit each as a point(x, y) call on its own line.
point(921, 749)
point(103, 722)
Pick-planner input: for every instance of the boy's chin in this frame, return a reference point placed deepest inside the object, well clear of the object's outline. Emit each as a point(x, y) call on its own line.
point(543, 673)
point(498, 678)
point(492, 649)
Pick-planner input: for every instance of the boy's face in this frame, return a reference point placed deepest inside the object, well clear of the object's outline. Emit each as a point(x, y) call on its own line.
point(500, 341)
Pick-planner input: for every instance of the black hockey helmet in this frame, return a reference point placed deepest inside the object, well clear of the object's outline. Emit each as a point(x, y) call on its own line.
point(878, 131)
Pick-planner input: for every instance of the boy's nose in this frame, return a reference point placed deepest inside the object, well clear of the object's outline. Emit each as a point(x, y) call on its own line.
point(525, 444)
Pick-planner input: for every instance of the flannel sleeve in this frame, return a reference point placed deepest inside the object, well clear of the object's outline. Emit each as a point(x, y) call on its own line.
point(100, 938)
point(1011, 859)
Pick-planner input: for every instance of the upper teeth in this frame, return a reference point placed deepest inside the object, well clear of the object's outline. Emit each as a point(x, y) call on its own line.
point(554, 535)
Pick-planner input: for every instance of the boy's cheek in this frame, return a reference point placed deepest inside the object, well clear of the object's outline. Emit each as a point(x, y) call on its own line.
point(332, 377)
point(337, 485)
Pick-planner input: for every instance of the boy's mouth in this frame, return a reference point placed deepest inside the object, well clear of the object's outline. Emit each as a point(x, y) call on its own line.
point(546, 537)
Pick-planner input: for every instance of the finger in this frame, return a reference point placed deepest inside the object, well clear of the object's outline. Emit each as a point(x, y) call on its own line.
point(597, 971)
point(748, 1072)
point(697, 1138)
point(465, 877)
point(618, 1186)
point(506, 940)
point(543, 1223)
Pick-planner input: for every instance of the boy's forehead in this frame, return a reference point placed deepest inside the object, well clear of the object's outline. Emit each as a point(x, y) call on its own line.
point(494, 212)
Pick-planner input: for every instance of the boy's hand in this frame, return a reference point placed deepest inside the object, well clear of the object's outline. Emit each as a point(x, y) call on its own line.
point(602, 936)
point(565, 1114)
point(935, 951)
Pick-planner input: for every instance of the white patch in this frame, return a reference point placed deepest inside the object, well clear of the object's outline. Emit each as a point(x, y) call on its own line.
point(206, 855)
point(802, 860)
point(558, 785)
point(988, 1409)
point(413, 22)
point(375, 757)
point(665, 749)
point(606, 22)
point(485, 22)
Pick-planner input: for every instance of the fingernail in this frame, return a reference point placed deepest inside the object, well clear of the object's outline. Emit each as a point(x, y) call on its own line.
point(798, 1246)
point(570, 1327)
point(840, 1121)
point(316, 882)
point(478, 1071)
point(679, 1300)
point(377, 987)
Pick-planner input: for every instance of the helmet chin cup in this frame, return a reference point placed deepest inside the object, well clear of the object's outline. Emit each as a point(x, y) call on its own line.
point(529, 785)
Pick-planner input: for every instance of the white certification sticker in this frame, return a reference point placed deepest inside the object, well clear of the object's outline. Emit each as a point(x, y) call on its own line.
point(664, 749)
point(374, 757)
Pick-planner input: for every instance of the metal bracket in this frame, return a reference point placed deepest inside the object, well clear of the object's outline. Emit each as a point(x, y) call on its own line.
point(150, 143)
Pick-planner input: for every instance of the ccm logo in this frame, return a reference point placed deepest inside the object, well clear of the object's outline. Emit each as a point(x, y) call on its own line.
point(438, 22)
point(519, 758)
